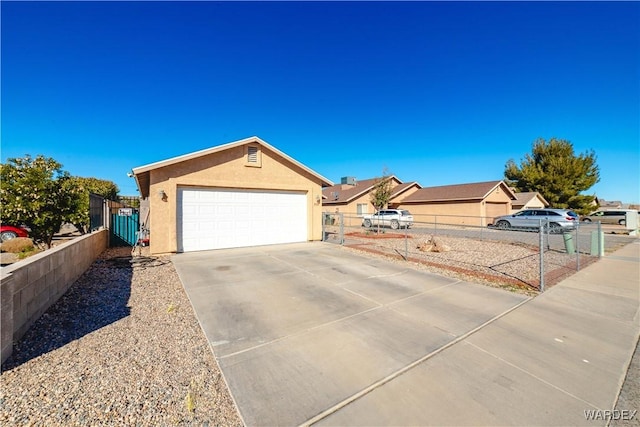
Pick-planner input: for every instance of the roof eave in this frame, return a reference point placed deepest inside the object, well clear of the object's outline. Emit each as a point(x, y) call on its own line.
point(146, 169)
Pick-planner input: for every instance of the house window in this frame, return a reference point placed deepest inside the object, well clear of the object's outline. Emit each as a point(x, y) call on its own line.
point(252, 156)
point(361, 208)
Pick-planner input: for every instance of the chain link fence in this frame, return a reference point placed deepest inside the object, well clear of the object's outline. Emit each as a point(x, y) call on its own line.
point(533, 259)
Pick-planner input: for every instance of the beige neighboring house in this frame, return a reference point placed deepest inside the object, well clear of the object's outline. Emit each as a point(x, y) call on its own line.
point(463, 204)
point(353, 197)
point(244, 193)
point(528, 200)
point(609, 204)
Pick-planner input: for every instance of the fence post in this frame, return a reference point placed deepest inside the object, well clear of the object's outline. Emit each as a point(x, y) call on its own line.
point(600, 242)
point(541, 244)
point(341, 215)
point(324, 233)
point(406, 243)
point(548, 232)
point(577, 247)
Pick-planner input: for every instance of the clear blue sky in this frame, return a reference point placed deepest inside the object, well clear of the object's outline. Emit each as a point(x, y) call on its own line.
point(440, 93)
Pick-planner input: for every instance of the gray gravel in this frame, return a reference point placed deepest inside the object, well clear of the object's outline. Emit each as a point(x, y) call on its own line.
point(511, 265)
point(121, 347)
point(629, 399)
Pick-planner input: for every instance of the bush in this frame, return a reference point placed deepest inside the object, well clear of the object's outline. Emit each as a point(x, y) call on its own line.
point(17, 245)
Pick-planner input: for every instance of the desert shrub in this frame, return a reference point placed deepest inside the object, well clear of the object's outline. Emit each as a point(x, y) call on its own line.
point(17, 245)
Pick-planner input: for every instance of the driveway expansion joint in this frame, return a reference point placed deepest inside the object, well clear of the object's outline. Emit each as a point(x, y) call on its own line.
point(407, 368)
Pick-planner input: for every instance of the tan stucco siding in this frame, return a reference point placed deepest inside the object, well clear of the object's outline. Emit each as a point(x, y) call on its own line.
point(498, 195)
point(226, 169)
point(397, 201)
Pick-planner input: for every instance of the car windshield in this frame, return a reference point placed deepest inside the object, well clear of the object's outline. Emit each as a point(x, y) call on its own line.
point(405, 213)
point(572, 214)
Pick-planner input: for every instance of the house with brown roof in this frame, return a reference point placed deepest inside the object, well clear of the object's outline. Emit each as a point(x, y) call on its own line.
point(611, 204)
point(353, 197)
point(528, 200)
point(468, 204)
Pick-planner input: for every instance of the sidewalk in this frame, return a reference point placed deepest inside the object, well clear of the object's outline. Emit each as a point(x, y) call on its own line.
point(556, 360)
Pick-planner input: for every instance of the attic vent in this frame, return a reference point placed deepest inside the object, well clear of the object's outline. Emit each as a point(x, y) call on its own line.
point(335, 195)
point(252, 154)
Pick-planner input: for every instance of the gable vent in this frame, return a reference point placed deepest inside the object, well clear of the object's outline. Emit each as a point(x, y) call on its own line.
point(252, 154)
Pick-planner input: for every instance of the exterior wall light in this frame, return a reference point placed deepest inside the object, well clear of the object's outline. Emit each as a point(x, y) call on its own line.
point(162, 194)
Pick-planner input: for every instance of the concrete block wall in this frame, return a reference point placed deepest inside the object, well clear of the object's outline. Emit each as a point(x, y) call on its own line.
point(29, 287)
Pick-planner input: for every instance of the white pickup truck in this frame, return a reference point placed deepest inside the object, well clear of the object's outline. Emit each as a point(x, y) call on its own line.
point(394, 218)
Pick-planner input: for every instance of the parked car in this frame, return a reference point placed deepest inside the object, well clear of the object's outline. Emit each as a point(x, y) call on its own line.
point(8, 232)
point(555, 219)
point(394, 218)
point(607, 217)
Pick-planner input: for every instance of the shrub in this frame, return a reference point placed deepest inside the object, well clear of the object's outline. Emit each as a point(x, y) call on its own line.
point(17, 245)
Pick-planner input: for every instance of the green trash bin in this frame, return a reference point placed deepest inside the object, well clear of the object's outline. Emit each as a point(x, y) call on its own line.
point(568, 243)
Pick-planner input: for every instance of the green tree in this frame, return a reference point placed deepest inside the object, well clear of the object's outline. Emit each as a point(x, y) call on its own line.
point(381, 192)
point(101, 187)
point(38, 193)
point(557, 173)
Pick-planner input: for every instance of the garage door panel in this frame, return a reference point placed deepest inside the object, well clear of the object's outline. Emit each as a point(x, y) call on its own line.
point(216, 219)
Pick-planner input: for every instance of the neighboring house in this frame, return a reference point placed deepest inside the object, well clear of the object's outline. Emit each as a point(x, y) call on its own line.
point(606, 204)
point(353, 197)
point(528, 200)
point(244, 193)
point(469, 204)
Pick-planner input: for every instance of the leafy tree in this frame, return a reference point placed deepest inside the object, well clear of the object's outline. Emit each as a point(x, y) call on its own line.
point(38, 193)
point(101, 187)
point(553, 170)
point(381, 193)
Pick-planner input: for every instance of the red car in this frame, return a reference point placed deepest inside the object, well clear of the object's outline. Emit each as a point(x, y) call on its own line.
point(8, 232)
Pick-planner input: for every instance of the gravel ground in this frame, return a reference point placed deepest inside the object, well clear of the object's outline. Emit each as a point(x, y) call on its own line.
point(515, 266)
point(121, 347)
point(629, 399)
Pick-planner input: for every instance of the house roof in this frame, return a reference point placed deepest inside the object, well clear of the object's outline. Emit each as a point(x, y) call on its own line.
point(344, 193)
point(401, 188)
point(141, 173)
point(525, 197)
point(610, 203)
point(448, 193)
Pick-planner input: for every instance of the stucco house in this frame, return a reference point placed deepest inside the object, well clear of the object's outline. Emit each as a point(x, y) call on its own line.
point(609, 204)
point(467, 204)
point(244, 193)
point(528, 200)
point(353, 197)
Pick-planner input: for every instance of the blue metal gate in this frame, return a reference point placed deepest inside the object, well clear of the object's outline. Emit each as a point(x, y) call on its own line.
point(125, 222)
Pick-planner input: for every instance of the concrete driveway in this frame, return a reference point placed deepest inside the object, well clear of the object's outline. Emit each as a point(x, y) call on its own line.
point(302, 331)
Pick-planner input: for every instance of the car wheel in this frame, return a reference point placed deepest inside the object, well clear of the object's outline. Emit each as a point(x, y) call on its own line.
point(367, 223)
point(586, 220)
point(503, 224)
point(7, 235)
point(395, 224)
point(554, 227)
point(622, 222)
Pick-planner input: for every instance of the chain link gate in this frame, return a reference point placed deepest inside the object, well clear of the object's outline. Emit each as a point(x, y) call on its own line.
point(333, 227)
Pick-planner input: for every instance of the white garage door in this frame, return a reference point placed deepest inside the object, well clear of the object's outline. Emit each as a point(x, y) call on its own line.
point(216, 219)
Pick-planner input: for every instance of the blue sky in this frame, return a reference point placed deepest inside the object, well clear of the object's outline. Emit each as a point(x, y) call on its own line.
point(436, 92)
